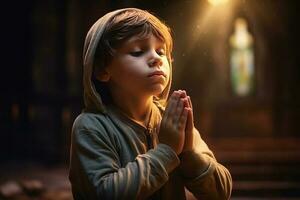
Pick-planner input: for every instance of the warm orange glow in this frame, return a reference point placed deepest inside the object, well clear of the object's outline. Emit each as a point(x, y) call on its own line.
point(217, 2)
point(207, 20)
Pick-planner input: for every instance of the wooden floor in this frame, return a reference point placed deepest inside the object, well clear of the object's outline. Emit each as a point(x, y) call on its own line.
point(261, 169)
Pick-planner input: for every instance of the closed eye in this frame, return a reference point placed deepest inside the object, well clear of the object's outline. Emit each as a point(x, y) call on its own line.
point(161, 52)
point(136, 53)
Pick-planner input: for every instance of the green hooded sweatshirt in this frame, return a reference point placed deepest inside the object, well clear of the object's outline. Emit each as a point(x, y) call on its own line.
point(113, 157)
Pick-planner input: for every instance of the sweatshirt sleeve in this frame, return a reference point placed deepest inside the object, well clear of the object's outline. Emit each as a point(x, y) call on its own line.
point(96, 172)
point(203, 175)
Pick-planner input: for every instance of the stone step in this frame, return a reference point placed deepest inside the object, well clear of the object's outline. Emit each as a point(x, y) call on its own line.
point(254, 144)
point(265, 172)
point(258, 157)
point(278, 189)
point(262, 168)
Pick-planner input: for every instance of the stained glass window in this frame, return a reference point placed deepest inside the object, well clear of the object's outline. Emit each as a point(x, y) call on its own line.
point(241, 59)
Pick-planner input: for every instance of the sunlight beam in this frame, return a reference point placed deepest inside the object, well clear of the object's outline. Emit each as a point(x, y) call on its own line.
point(217, 2)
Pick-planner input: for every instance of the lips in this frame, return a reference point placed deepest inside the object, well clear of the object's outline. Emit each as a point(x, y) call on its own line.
point(157, 73)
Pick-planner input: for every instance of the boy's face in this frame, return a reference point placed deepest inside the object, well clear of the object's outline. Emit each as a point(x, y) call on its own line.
point(139, 67)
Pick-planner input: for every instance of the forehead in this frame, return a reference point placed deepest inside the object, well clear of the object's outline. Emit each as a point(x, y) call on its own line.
point(143, 40)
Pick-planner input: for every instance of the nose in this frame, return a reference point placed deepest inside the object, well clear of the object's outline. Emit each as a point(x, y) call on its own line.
point(155, 60)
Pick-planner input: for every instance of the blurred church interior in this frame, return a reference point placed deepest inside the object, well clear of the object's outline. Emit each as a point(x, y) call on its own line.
point(237, 59)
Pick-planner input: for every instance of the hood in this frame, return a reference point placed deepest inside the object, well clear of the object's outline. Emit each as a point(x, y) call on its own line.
point(92, 98)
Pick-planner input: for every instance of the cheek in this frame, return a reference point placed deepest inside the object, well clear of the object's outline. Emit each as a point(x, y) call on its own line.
point(131, 66)
point(136, 69)
point(121, 69)
point(167, 68)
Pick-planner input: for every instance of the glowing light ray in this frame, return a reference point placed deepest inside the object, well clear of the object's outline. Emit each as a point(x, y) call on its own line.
point(202, 25)
point(205, 23)
point(217, 2)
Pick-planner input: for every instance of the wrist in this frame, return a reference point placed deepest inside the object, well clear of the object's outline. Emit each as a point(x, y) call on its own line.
point(193, 164)
point(186, 152)
point(176, 150)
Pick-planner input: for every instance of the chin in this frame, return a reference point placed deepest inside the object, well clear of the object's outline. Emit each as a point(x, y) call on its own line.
point(157, 90)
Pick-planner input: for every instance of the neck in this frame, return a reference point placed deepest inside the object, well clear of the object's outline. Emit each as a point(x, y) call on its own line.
point(137, 108)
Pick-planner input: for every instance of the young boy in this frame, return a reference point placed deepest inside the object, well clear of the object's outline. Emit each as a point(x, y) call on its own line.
point(130, 142)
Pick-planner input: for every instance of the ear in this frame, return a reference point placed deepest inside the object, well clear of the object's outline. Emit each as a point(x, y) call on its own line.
point(103, 75)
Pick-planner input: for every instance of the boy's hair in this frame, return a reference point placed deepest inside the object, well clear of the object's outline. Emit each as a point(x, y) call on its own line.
point(125, 25)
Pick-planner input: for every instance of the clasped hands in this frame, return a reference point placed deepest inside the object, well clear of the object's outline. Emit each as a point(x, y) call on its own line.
point(177, 124)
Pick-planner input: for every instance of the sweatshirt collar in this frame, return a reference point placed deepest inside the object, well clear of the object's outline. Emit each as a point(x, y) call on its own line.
point(154, 118)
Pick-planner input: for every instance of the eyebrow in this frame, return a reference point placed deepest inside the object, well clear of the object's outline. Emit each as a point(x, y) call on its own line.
point(142, 39)
point(138, 39)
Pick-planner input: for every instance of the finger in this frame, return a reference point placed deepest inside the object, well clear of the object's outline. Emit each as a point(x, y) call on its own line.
point(171, 102)
point(176, 99)
point(190, 102)
point(190, 122)
point(182, 93)
point(182, 120)
point(186, 102)
point(168, 107)
point(179, 110)
point(192, 111)
point(188, 142)
point(171, 106)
